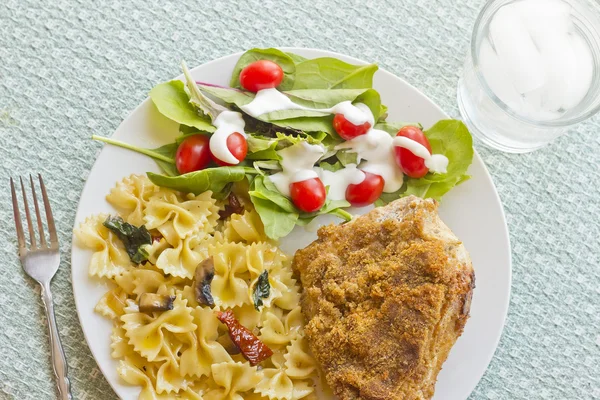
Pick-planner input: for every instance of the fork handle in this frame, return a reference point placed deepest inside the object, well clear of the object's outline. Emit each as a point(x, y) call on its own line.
point(59, 361)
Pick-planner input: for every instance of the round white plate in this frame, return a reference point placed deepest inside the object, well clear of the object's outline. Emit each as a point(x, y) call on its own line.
point(472, 210)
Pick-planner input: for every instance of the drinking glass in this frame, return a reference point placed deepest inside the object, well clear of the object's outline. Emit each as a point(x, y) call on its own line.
point(532, 71)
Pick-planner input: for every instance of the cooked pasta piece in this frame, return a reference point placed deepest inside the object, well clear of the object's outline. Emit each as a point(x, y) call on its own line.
point(109, 258)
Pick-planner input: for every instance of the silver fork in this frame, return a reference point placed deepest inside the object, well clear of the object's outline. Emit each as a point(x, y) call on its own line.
point(41, 263)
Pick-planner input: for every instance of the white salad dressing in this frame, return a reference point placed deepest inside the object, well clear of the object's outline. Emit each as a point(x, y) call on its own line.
point(339, 180)
point(270, 100)
point(436, 163)
point(375, 148)
point(297, 163)
point(227, 122)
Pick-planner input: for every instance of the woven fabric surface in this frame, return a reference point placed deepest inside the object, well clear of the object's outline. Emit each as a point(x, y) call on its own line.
point(70, 68)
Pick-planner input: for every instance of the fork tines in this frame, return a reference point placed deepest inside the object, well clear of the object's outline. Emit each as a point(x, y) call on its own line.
point(40, 226)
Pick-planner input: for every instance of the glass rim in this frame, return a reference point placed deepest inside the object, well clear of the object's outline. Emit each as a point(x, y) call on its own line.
point(505, 107)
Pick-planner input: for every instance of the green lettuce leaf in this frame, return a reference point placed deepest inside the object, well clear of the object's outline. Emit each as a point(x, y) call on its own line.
point(331, 167)
point(216, 180)
point(172, 101)
point(282, 59)
point(331, 73)
point(198, 99)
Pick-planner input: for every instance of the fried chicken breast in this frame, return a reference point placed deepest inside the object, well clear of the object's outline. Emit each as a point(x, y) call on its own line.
point(385, 297)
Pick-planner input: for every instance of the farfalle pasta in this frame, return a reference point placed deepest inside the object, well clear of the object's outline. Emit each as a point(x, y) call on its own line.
point(181, 350)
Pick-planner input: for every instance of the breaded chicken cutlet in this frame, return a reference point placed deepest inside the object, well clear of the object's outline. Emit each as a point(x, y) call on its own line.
point(385, 297)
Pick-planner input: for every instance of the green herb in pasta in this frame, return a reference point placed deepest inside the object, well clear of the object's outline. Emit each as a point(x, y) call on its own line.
point(261, 290)
point(134, 239)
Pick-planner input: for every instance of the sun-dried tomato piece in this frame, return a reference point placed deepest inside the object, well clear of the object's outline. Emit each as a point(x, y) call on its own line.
point(251, 347)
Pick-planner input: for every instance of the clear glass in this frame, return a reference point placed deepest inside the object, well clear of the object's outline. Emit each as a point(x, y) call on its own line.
point(504, 127)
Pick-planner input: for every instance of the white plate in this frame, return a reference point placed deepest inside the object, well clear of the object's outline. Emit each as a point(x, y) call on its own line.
point(472, 210)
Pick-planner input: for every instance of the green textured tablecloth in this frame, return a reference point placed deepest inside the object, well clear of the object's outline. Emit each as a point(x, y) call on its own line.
point(70, 68)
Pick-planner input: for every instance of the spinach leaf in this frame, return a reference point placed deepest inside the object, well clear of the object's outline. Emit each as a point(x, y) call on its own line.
point(134, 239)
point(263, 188)
point(277, 221)
point(324, 98)
point(308, 124)
point(452, 139)
point(277, 56)
point(296, 58)
point(168, 150)
point(393, 127)
point(262, 290)
point(164, 155)
point(213, 179)
point(331, 73)
point(171, 99)
point(228, 95)
point(333, 207)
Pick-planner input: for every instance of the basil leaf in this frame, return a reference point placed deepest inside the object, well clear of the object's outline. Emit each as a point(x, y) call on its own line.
point(282, 59)
point(213, 179)
point(134, 239)
point(331, 73)
point(262, 289)
point(172, 101)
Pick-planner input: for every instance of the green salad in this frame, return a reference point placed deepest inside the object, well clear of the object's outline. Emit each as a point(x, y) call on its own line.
point(305, 137)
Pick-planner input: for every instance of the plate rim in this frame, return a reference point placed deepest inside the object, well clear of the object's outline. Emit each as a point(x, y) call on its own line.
point(324, 53)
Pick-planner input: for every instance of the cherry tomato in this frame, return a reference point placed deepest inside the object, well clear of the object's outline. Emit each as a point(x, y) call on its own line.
point(411, 164)
point(346, 129)
point(261, 74)
point(309, 195)
point(192, 154)
point(237, 145)
point(366, 192)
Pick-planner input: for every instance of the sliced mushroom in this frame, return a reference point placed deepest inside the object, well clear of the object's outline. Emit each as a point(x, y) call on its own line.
point(150, 302)
point(205, 272)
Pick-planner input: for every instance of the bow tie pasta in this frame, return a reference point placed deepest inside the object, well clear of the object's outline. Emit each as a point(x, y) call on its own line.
point(178, 348)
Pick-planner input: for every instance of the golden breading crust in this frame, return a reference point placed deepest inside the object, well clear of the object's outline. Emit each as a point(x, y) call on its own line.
point(385, 298)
